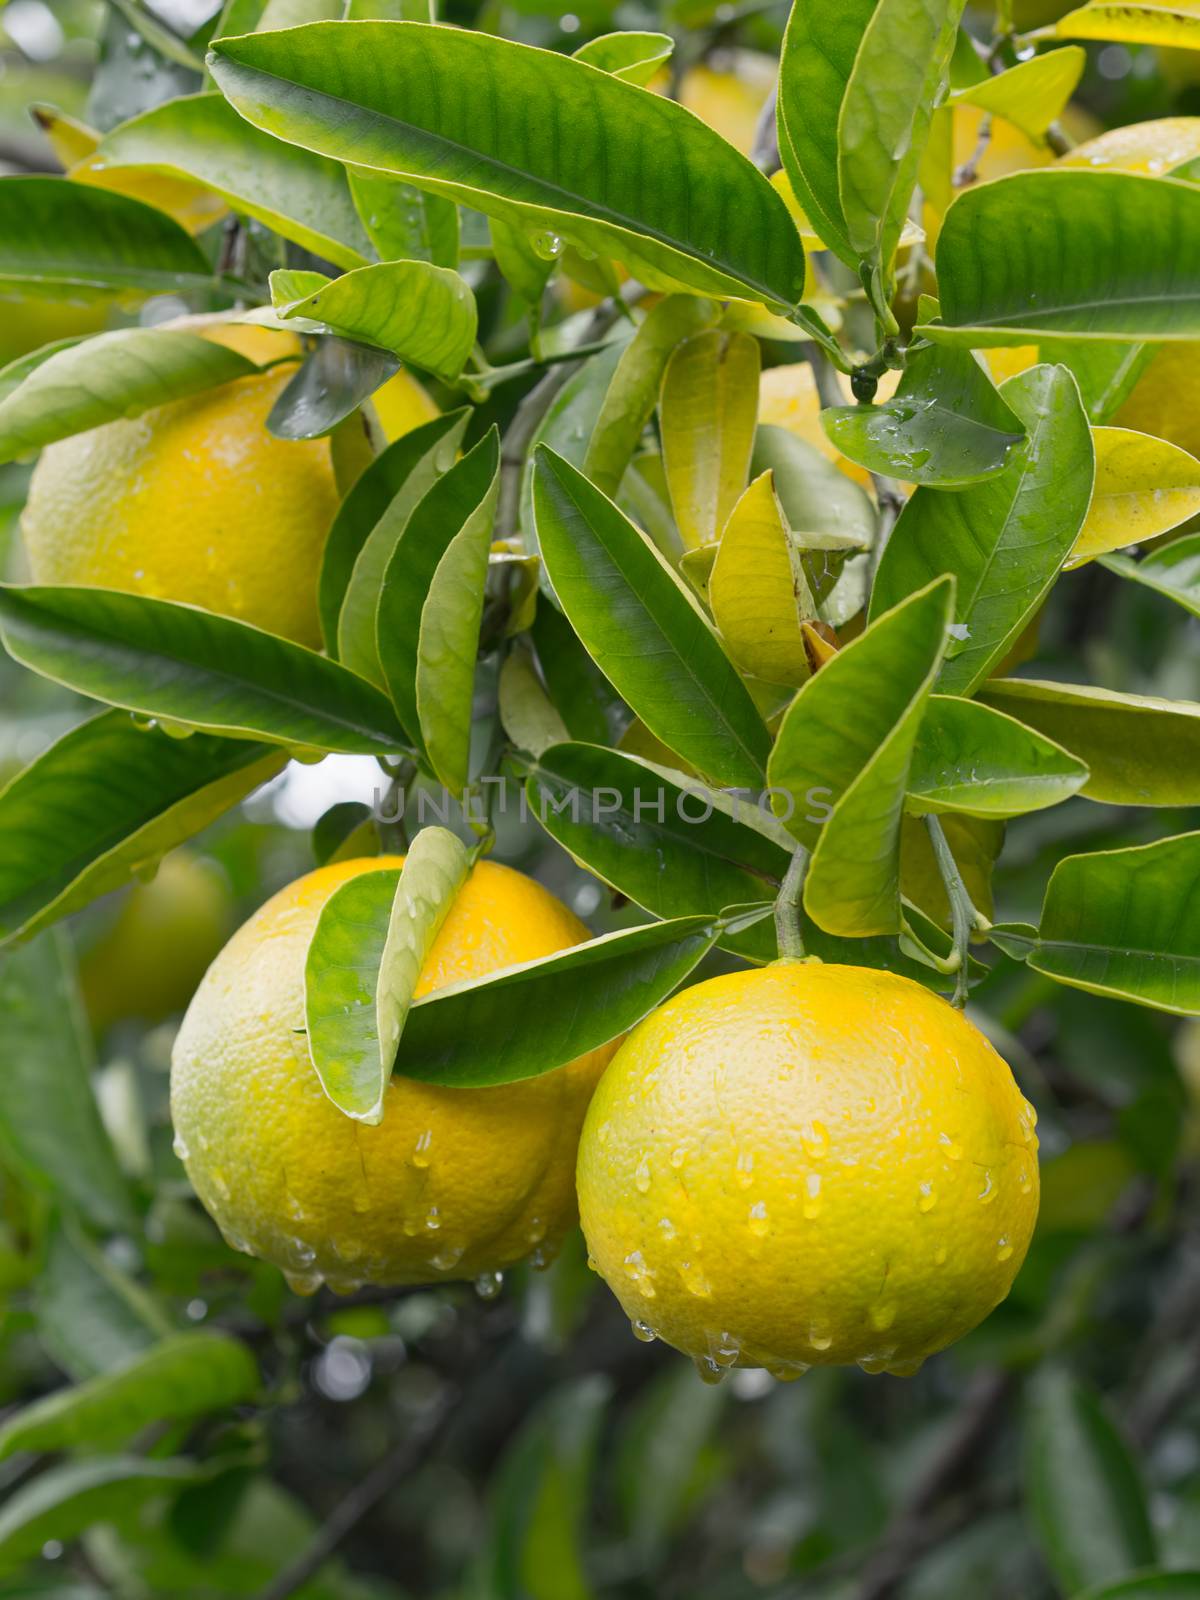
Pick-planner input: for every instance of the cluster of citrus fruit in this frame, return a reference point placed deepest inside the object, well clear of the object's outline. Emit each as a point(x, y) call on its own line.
point(794, 1165)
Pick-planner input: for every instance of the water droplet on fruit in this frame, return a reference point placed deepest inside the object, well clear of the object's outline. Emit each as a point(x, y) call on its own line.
point(547, 245)
point(180, 1148)
point(489, 1284)
point(447, 1258)
point(724, 1348)
point(643, 1331)
point(951, 1148)
point(641, 1176)
point(1004, 1250)
point(744, 1168)
point(926, 1198)
point(708, 1369)
point(678, 1156)
point(815, 1139)
point(433, 1220)
point(819, 1337)
point(420, 1155)
point(666, 1227)
point(639, 1272)
point(694, 1280)
point(787, 1371)
point(882, 1315)
point(989, 1191)
point(303, 1282)
point(602, 1132)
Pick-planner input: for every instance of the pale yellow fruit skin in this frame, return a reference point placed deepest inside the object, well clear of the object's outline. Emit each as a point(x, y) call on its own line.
point(452, 1183)
point(808, 1165)
point(192, 501)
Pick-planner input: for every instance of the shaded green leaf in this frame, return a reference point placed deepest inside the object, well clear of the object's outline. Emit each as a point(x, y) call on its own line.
point(630, 175)
point(90, 1315)
point(186, 1375)
point(540, 1015)
point(334, 380)
point(71, 240)
point(176, 662)
point(1005, 539)
point(970, 758)
point(297, 194)
point(422, 314)
point(1090, 254)
point(527, 713)
point(106, 800)
point(50, 1127)
point(113, 375)
point(1172, 570)
point(462, 499)
point(1126, 923)
point(643, 629)
point(364, 533)
point(1086, 1496)
point(946, 425)
point(405, 224)
point(1139, 751)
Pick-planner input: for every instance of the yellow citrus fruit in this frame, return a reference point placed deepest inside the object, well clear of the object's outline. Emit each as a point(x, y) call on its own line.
point(788, 398)
point(806, 1165)
point(453, 1183)
point(402, 405)
point(149, 961)
point(730, 99)
point(26, 324)
point(192, 501)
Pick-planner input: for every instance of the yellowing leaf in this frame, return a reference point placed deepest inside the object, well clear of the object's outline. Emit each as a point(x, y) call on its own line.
point(74, 144)
point(1177, 25)
point(1032, 94)
point(757, 590)
point(1144, 486)
point(708, 413)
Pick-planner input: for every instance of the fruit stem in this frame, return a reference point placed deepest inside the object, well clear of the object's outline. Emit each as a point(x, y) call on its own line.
point(789, 920)
point(963, 915)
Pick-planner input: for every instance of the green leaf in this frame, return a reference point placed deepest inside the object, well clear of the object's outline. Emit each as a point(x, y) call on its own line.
point(633, 391)
point(1173, 570)
point(1150, 1585)
point(1106, 372)
point(819, 52)
point(578, 690)
point(947, 424)
point(630, 175)
point(971, 759)
point(391, 10)
point(1126, 923)
point(569, 426)
point(1030, 95)
point(527, 713)
point(64, 240)
point(707, 417)
point(635, 57)
point(520, 264)
point(853, 882)
point(461, 502)
point(844, 716)
point(540, 1015)
point(338, 830)
point(1139, 751)
point(758, 592)
point(1085, 1493)
point(1089, 254)
point(364, 533)
point(1005, 539)
point(67, 1500)
point(364, 962)
point(335, 379)
point(883, 125)
point(673, 846)
point(448, 643)
point(185, 1376)
point(825, 508)
point(423, 314)
point(643, 629)
point(113, 375)
point(50, 1127)
point(299, 195)
point(176, 662)
point(403, 223)
point(90, 1315)
point(106, 800)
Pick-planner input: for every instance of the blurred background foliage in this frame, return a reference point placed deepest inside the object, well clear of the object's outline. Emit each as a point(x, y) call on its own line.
point(525, 1447)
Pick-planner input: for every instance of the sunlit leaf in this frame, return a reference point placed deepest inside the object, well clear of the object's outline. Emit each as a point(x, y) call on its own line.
point(297, 194)
point(1030, 95)
point(1144, 487)
point(636, 57)
point(631, 176)
point(969, 758)
point(1160, 22)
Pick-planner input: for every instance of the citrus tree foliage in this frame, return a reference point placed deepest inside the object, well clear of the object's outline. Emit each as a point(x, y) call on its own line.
point(798, 515)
